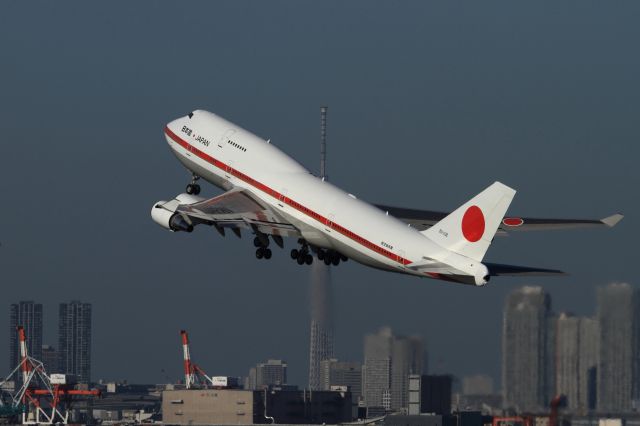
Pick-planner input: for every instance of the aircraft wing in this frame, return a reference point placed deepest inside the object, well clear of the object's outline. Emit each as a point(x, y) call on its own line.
point(423, 219)
point(497, 269)
point(234, 209)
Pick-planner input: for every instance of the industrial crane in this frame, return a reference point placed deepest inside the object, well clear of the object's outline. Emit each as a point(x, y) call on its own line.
point(193, 375)
point(41, 398)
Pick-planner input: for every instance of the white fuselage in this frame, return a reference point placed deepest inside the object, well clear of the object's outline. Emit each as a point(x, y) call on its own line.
point(228, 156)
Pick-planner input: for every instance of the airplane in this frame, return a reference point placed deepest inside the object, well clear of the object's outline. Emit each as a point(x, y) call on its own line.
point(271, 195)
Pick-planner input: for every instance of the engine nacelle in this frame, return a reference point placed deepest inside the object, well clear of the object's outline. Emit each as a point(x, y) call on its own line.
point(168, 219)
point(482, 275)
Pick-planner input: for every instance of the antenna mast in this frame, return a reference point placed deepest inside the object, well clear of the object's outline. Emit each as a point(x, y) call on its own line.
point(323, 142)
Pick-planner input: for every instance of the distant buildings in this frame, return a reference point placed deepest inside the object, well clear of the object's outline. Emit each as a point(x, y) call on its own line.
point(50, 359)
point(74, 340)
point(527, 354)
point(576, 359)
point(480, 384)
point(74, 337)
point(618, 363)
point(388, 362)
point(435, 394)
point(321, 326)
point(594, 362)
point(339, 373)
point(267, 374)
point(477, 394)
point(29, 315)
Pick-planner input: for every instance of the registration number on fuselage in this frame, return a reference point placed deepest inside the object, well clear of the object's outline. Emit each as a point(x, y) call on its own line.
point(200, 139)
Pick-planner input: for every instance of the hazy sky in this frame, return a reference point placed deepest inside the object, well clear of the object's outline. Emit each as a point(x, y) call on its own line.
point(429, 102)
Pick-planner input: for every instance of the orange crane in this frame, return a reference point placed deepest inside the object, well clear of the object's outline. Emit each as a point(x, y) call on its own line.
point(40, 400)
point(193, 375)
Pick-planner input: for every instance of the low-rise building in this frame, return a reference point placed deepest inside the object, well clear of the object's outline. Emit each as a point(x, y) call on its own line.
point(235, 406)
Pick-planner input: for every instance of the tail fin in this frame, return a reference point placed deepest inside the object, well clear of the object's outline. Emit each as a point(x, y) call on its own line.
point(469, 230)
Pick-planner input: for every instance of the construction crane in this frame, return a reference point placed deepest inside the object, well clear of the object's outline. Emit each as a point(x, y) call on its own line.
point(560, 401)
point(194, 376)
point(41, 398)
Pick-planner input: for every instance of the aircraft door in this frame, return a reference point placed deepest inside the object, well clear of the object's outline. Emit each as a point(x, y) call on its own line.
point(401, 255)
point(331, 217)
point(225, 138)
point(283, 196)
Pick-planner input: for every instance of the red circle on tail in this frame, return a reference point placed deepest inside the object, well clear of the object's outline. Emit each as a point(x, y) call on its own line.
point(473, 224)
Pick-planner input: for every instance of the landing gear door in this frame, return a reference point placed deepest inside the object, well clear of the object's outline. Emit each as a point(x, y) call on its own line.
point(331, 218)
point(226, 137)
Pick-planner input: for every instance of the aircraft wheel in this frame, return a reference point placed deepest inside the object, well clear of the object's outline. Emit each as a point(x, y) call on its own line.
point(335, 261)
point(327, 261)
point(295, 253)
point(190, 189)
point(256, 242)
point(308, 259)
point(260, 253)
point(343, 258)
point(321, 254)
point(300, 260)
point(267, 254)
point(196, 189)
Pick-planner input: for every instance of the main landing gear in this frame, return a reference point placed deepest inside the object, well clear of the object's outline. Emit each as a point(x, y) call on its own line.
point(331, 257)
point(262, 250)
point(193, 188)
point(302, 255)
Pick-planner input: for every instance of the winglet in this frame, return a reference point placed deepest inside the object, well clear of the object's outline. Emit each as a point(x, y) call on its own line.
point(612, 220)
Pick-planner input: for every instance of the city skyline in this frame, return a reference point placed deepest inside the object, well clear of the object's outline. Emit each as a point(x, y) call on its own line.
point(585, 324)
point(72, 351)
point(430, 103)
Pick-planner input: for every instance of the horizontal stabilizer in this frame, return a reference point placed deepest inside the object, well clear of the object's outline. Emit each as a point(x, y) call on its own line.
point(497, 269)
point(612, 220)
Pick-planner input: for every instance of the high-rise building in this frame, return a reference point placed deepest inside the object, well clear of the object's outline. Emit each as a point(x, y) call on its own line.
point(588, 368)
point(376, 371)
point(270, 373)
point(341, 373)
point(74, 340)
point(617, 371)
point(321, 332)
point(407, 355)
point(50, 359)
point(528, 331)
point(567, 357)
point(576, 354)
point(28, 314)
point(388, 362)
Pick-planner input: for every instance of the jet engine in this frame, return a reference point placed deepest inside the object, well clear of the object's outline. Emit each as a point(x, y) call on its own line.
point(482, 275)
point(168, 219)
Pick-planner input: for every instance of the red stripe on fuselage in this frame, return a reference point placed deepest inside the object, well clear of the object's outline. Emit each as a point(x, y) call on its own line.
point(275, 194)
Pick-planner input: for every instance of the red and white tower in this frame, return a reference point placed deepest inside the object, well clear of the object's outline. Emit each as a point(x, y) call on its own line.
point(24, 354)
point(189, 377)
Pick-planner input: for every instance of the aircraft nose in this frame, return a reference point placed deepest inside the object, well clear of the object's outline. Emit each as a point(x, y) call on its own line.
point(174, 128)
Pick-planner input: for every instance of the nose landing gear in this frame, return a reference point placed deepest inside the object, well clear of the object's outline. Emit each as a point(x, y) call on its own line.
point(193, 188)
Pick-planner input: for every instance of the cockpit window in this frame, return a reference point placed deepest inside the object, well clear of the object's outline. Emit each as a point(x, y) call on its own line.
point(190, 114)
